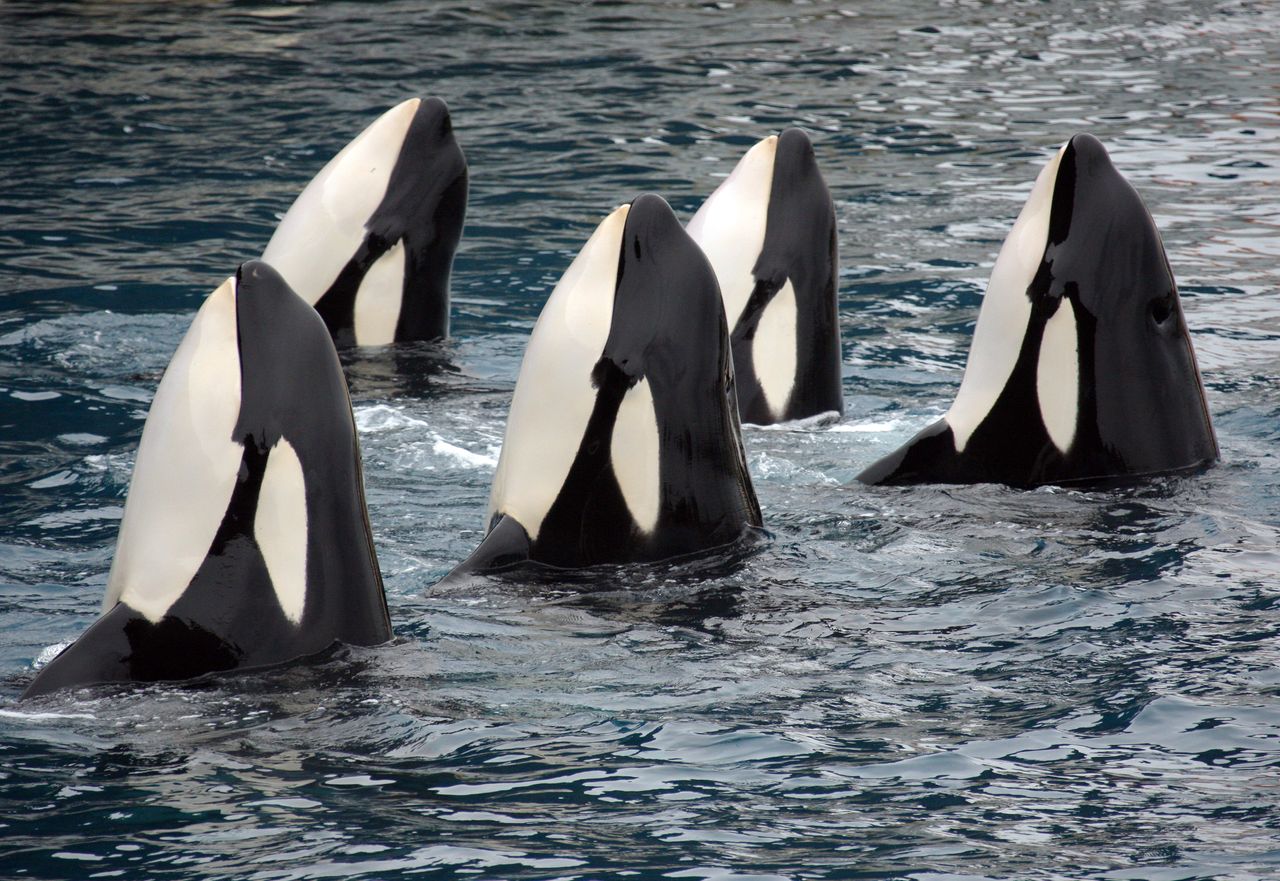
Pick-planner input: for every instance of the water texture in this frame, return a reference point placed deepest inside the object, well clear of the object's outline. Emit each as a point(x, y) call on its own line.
point(928, 683)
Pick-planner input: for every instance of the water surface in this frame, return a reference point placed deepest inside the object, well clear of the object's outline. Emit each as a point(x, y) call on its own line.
point(927, 683)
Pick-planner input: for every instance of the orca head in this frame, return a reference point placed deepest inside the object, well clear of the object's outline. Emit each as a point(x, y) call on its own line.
point(1081, 368)
point(370, 240)
point(245, 538)
point(622, 442)
point(769, 232)
point(1141, 401)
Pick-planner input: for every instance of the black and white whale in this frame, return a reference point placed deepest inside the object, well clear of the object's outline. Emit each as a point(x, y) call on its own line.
point(770, 233)
point(623, 443)
point(245, 540)
point(1081, 369)
point(370, 241)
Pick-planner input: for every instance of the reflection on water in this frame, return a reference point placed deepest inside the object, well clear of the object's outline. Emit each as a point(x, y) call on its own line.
point(932, 682)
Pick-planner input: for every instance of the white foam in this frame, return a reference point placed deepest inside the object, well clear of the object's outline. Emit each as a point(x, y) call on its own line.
point(827, 419)
point(42, 717)
point(872, 427)
point(385, 418)
point(442, 447)
point(81, 438)
point(48, 653)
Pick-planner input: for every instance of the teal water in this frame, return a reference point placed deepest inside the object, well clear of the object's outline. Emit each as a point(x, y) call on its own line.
point(928, 683)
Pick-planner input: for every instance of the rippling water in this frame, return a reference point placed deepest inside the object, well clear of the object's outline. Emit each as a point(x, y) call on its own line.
point(929, 683)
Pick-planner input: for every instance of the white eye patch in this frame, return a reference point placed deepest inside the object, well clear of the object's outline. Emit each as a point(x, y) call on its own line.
point(1058, 376)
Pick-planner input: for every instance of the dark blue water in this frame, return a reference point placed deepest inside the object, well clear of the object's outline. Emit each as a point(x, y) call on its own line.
point(933, 683)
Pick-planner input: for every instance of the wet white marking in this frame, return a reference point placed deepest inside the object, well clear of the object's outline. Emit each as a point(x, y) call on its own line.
point(1002, 321)
point(635, 457)
point(378, 300)
point(554, 396)
point(1058, 376)
point(280, 528)
point(186, 467)
point(326, 223)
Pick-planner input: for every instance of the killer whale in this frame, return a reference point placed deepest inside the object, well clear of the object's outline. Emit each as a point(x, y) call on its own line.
point(245, 540)
point(370, 240)
point(1081, 369)
point(623, 443)
point(770, 233)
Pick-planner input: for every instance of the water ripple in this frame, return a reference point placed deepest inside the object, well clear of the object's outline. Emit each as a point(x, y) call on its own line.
point(935, 683)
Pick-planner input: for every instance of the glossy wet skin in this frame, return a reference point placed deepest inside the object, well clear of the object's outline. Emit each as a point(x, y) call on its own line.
point(1141, 390)
point(1138, 405)
point(769, 231)
point(800, 247)
point(667, 340)
point(393, 266)
point(934, 682)
point(669, 329)
point(236, 611)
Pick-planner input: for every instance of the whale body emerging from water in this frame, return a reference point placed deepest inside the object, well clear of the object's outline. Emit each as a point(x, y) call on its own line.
point(245, 540)
point(1081, 369)
point(623, 444)
point(370, 241)
point(770, 233)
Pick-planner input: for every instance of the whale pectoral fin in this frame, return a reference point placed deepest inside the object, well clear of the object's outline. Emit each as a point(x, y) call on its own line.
point(506, 545)
point(929, 456)
point(100, 655)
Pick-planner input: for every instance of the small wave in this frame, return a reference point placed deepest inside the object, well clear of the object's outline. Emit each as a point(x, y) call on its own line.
point(383, 418)
point(874, 427)
point(466, 457)
point(42, 717)
point(809, 423)
point(48, 653)
point(59, 519)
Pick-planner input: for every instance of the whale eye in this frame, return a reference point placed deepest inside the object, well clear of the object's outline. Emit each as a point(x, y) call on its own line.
point(1162, 308)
